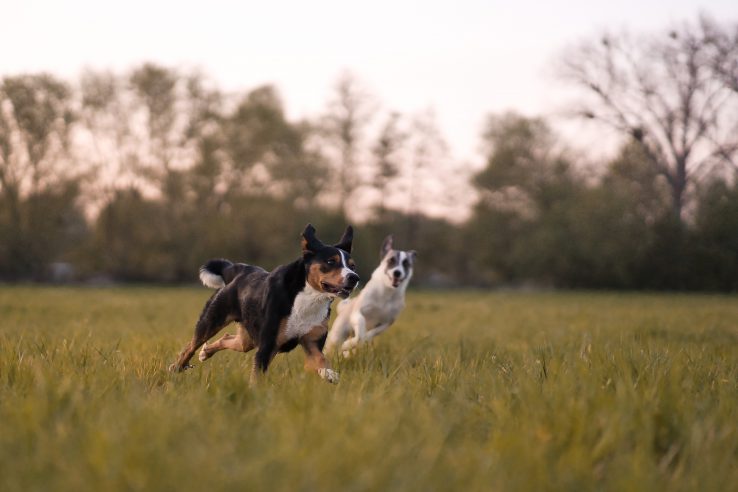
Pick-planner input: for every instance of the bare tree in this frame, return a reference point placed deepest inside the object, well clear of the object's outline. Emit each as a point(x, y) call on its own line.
point(387, 162)
point(349, 112)
point(663, 92)
point(429, 171)
point(724, 42)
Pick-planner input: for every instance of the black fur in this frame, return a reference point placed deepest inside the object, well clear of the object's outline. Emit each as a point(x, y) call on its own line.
point(260, 300)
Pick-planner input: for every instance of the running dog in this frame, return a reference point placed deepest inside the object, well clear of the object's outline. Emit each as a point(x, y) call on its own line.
point(277, 310)
point(377, 305)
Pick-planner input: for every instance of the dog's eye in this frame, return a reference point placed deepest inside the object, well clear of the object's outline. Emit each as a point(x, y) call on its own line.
point(391, 262)
point(406, 264)
point(330, 261)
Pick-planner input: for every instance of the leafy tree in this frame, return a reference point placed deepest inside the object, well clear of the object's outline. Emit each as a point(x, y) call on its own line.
point(37, 188)
point(526, 191)
point(715, 238)
point(269, 154)
point(524, 167)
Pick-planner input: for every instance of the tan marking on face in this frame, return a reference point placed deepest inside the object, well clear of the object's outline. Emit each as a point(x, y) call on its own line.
point(316, 276)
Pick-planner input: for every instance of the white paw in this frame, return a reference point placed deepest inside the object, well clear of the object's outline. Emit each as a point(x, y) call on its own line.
point(346, 354)
point(328, 374)
point(203, 355)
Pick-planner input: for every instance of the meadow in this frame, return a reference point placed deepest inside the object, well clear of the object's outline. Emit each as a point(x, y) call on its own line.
point(468, 391)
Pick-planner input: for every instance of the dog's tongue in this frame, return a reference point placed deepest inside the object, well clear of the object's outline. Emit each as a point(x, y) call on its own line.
point(395, 282)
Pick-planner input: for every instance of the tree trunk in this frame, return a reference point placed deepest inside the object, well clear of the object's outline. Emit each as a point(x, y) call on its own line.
point(678, 187)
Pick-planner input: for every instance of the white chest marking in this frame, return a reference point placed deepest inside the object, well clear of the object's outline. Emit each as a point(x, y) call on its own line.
point(310, 309)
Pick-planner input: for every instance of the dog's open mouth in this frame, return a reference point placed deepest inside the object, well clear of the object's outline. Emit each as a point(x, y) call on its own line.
point(342, 292)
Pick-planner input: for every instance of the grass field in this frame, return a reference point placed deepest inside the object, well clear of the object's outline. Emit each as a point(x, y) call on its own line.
point(468, 391)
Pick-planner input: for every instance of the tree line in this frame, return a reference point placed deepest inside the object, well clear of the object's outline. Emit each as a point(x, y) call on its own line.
point(141, 176)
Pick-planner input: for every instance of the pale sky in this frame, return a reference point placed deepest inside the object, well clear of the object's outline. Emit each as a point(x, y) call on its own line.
point(463, 58)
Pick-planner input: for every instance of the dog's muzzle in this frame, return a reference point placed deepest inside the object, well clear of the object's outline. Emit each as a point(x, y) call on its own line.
point(396, 278)
point(352, 280)
point(344, 290)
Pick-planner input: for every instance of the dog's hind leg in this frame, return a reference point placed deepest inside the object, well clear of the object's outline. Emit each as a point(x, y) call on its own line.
point(241, 342)
point(216, 314)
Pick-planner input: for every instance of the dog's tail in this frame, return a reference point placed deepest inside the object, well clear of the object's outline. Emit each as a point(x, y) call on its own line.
point(214, 273)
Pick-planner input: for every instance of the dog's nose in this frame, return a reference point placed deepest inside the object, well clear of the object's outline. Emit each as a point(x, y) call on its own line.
point(352, 279)
point(396, 273)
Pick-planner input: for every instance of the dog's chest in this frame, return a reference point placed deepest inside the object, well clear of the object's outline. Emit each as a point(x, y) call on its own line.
point(382, 309)
point(309, 309)
point(379, 303)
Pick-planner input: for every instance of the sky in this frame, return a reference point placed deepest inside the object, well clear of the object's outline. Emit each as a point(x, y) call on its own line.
point(463, 59)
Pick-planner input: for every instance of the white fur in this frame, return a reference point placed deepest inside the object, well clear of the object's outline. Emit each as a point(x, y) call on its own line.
point(203, 355)
point(328, 374)
point(371, 312)
point(209, 279)
point(397, 268)
point(310, 309)
point(345, 271)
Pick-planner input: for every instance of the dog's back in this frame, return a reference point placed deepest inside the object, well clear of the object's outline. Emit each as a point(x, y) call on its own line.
point(216, 274)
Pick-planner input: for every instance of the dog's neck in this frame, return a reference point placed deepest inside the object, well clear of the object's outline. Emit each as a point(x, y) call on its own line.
point(295, 275)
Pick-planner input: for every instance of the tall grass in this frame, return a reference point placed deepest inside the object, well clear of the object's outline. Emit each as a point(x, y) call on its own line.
point(468, 391)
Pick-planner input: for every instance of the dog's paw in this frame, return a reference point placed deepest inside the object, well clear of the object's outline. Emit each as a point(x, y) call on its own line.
point(176, 368)
point(203, 355)
point(346, 354)
point(328, 374)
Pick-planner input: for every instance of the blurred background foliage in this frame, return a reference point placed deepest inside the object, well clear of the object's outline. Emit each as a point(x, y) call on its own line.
point(142, 176)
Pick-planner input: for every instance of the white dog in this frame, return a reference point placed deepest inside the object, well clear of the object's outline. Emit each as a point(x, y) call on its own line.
point(377, 305)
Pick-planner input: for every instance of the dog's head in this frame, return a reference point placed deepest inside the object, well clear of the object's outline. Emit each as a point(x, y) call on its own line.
point(396, 266)
point(330, 269)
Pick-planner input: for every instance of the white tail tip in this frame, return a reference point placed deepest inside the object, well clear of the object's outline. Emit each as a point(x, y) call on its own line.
point(209, 279)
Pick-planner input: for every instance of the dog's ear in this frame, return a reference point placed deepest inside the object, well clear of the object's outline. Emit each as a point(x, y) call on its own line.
point(310, 243)
point(386, 247)
point(345, 242)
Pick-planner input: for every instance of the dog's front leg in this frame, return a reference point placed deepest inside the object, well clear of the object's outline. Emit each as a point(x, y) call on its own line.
point(376, 331)
point(262, 359)
point(267, 348)
point(358, 323)
point(312, 343)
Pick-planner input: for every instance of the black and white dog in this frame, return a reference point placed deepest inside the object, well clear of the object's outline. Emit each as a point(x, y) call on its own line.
point(378, 305)
point(277, 310)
